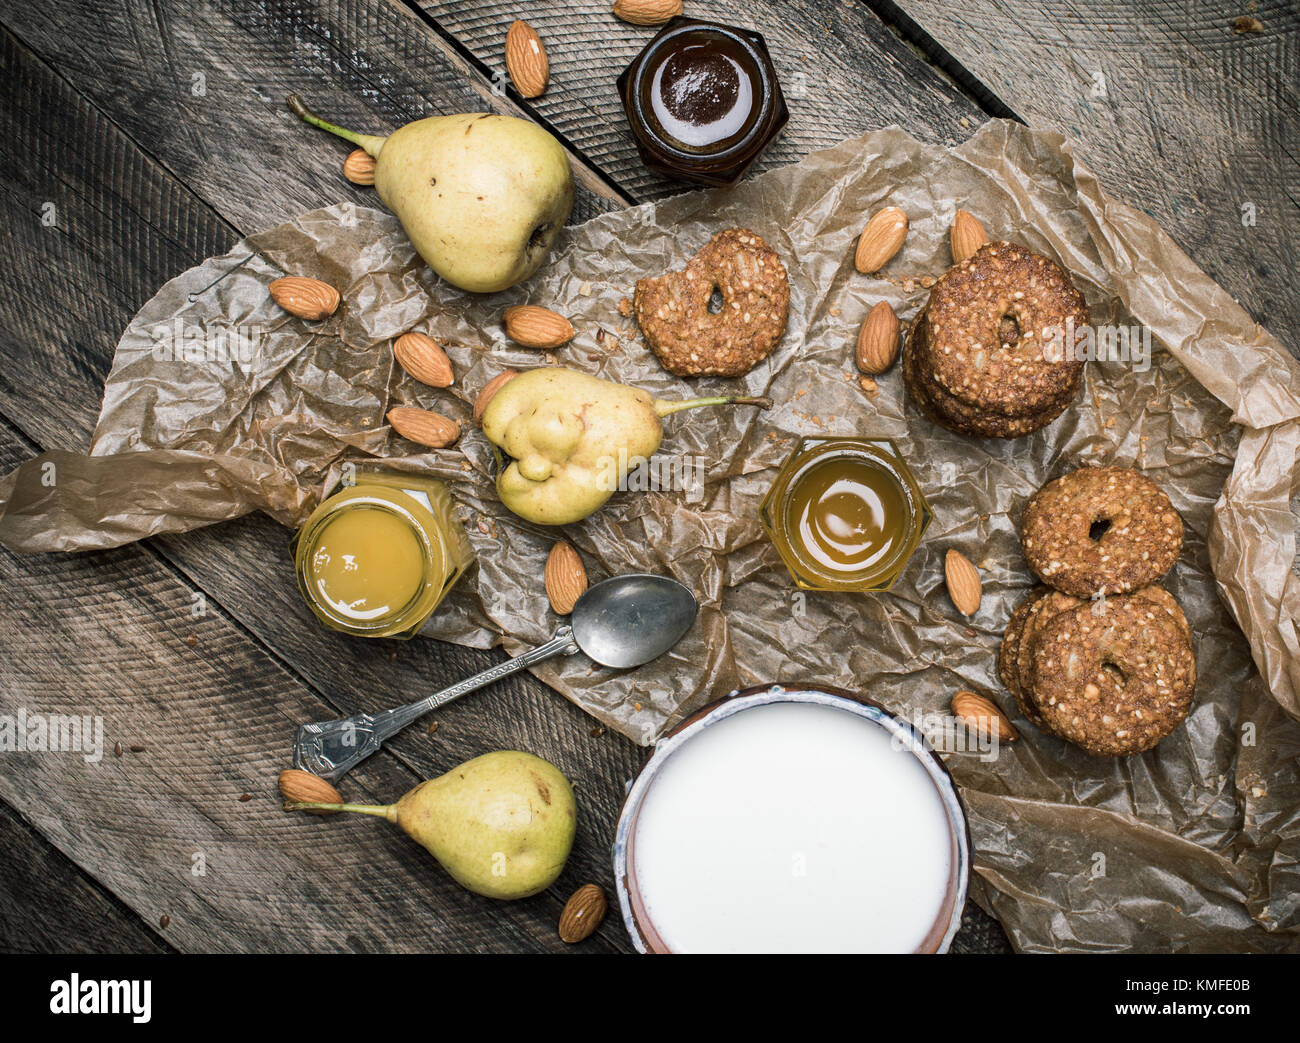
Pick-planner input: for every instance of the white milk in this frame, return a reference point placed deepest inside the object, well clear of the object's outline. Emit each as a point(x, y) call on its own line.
point(792, 827)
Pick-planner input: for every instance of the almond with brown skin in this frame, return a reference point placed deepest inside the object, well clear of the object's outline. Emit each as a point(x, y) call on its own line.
point(531, 326)
point(526, 59)
point(582, 913)
point(647, 12)
point(359, 167)
point(489, 389)
point(878, 339)
point(566, 579)
point(306, 298)
point(880, 240)
point(966, 236)
point(963, 581)
point(982, 715)
point(422, 357)
point(424, 426)
point(302, 787)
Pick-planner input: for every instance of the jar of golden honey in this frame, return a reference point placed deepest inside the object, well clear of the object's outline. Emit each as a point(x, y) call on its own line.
point(379, 554)
point(845, 514)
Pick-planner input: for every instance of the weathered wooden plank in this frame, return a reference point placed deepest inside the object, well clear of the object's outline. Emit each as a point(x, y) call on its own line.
point(201, 87)
point(47, 904)
point(843, 71)
point(1175, 112)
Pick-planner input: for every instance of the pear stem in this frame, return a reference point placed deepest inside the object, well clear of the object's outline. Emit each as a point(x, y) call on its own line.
point(664, 408)
point(370, 142)
point(388, 811)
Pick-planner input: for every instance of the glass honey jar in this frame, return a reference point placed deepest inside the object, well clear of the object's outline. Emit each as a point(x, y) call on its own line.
point(380, 553)
point(703, 101)
point(845, 514)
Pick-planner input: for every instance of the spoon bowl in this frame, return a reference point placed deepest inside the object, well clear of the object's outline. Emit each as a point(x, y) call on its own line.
point(627, 621)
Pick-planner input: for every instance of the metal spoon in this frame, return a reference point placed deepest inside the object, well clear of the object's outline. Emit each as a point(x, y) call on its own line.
point(621, 622)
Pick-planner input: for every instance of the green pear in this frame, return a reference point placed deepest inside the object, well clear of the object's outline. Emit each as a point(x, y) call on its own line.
point(501, 824)
point(481, 196)
point(573, 438)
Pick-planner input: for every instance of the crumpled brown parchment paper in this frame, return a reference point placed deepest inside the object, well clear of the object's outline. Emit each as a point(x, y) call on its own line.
point(1194, 846)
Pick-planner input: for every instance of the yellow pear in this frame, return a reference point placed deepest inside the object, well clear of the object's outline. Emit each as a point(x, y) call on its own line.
point(481, 196)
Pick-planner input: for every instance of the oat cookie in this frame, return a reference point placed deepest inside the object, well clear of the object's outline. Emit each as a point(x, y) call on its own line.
point(1043, 612)
point(1114, 677)
point(1009, 650)
point(991, 321)
point(950, 412)
point(689, 340)
point(1101, 530)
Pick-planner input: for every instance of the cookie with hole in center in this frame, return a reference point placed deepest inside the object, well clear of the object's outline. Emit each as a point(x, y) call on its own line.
point(689, 338)
point(1114, 677)
point(948, 411)
point(1001, 327)
point(1106, 530)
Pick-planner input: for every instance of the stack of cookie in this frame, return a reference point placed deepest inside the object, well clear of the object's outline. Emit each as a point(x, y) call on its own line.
point(991, 354)
point(1101, 656)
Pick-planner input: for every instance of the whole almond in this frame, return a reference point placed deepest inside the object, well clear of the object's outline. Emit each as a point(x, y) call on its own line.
point(359, 167)
point(880, 240)
point(878, 339)
point(303, 787)
point(306, 298)
point(489, 389)
point(963, 581)
point(566, 579)
point(582, 913)
point(535, 327)
point(966, 236)
point(421, 357)
point(983, 715)
point(424, 426)
point(526, 59)
point(647, 12)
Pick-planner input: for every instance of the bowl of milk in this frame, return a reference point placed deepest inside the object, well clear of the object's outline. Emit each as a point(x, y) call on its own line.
point(785, 819)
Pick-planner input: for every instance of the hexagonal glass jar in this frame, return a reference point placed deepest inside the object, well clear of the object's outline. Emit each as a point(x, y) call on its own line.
point(890, 491)
point(703, 101)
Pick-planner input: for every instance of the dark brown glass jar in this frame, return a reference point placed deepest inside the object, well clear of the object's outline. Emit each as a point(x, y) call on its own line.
point(703, 101)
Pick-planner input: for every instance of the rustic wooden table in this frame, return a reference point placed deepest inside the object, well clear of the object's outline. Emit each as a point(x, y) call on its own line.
point(140, 138)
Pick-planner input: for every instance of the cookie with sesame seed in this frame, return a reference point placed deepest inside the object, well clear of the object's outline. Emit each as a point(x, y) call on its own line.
point(950, 412)
point(1105, 530)
point(1009, 650)
point(1114, 677)
point(689, 339)
point(1043, 612)
point(998, 326)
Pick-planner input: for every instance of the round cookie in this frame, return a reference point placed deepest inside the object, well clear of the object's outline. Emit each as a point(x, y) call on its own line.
point(961, 417)
point(992, 320)
point(1114, 677)
point(1009, 650)
point(689, 340)
point(1139, 539)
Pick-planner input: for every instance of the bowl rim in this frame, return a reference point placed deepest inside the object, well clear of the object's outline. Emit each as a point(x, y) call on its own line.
point(740, 700)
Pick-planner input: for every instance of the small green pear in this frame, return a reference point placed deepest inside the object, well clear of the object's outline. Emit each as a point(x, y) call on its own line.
point(501, 824)
point(481, 196)
point(573, 438)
